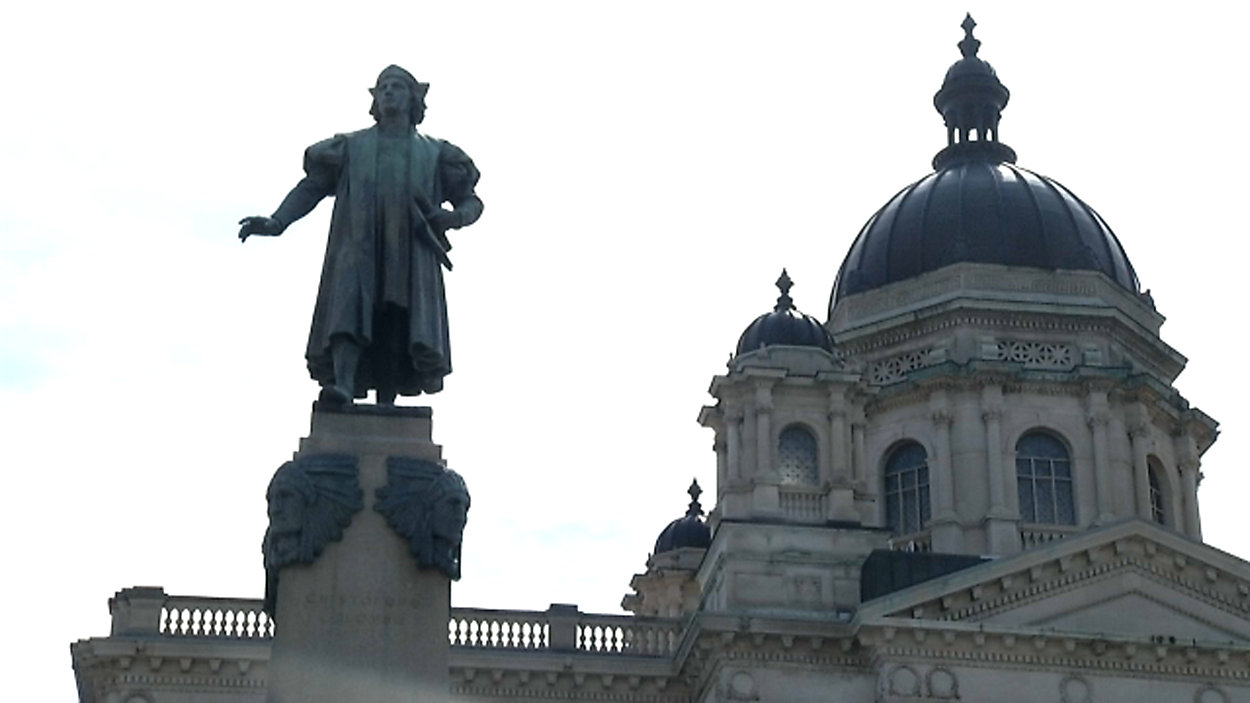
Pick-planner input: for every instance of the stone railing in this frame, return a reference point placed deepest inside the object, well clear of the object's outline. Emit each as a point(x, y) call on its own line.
point(914, 542)
point(802, 503)
point(1033, 535)
point(477, 628)
point(188, 616)
point(150, 612)
point(625, 634)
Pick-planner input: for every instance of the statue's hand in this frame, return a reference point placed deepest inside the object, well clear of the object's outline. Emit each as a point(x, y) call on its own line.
point(442, 220)
point(262, 226)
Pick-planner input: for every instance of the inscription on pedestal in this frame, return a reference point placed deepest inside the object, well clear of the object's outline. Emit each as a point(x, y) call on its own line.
point(362, 609)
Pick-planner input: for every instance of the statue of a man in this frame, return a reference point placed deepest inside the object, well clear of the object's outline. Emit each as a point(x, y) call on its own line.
point(381, 315)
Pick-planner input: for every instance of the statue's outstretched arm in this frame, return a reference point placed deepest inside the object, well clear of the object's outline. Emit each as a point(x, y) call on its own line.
point(321, 162)
point(299, 202)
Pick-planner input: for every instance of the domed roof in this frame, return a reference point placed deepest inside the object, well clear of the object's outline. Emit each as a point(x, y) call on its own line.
point(688, 530)
point(977, 206)
point(784, 326)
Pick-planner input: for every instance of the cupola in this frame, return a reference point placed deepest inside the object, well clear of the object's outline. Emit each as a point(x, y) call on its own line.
point(978, 206)
point(784, 326)
point(688, 530)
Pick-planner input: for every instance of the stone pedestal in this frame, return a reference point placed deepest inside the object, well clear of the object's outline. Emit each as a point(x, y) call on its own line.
point(363, 623)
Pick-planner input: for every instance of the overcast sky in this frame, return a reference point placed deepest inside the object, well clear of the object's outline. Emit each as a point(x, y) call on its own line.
point(648, 169)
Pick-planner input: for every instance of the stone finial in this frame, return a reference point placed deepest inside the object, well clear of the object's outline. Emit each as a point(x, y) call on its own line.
point(784, 284)
point(695, 508)
point(970, 44)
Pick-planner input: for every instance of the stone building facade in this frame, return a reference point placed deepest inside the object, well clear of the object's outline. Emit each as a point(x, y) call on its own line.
point(974, 481)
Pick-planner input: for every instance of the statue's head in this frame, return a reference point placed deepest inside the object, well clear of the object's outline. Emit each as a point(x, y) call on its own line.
point(311, 502)
point(448, 512)
point(428, 504)
point(397, 79)
point(290, 495)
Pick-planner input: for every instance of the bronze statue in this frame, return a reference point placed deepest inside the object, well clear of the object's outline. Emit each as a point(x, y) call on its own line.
point(381, 316)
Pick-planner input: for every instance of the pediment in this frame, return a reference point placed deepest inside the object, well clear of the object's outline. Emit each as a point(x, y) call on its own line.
point(1127, 603)
point(1130, 579)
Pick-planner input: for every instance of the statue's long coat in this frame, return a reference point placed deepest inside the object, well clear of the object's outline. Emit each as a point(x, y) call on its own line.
point(358, 265)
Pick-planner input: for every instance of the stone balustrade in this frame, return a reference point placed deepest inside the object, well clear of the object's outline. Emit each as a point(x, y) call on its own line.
point(624, 634)
point(915, 542)
point(150, 612)
point(189, 616)
point(479, 628)
point(802, 503)
point(1038, 535)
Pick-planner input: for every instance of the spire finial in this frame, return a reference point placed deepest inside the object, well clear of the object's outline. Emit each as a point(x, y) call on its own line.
point(695, 509)
point(968, 47)
point(784, 301)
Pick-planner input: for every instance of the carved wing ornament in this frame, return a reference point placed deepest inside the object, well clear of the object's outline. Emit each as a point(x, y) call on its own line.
point(311, 501)
point(427, 504)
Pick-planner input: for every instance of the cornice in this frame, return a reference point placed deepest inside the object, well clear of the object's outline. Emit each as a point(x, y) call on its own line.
point(1148, 348)
point(1031, 649)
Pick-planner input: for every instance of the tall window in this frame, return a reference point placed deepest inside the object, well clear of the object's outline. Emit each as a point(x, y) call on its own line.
point(1157, 512)
point(907, 489)
point(796, 457)
point(1044, 478)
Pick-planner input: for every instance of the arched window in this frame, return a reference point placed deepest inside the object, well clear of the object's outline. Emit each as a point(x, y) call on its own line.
point(1158, 512)
point(796, 457)
point(907, 489)
point(1044, 478)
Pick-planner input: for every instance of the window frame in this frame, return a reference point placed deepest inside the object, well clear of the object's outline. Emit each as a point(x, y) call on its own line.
point(911, 493)
point(811, 478)
point(1049, 477)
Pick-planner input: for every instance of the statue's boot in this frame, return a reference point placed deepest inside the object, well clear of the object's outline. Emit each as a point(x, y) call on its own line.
point(345, 354)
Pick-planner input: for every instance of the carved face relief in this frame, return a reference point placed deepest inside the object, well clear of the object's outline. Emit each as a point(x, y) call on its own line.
point(427, 504)
point(311, 502)
point(450, 516)
point(287, 510)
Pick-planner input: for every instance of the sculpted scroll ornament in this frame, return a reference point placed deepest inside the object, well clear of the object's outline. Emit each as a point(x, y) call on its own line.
point(427, 504)
point(311, 501)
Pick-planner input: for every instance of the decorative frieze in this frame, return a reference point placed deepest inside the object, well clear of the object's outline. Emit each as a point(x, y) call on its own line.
point(1033, 355)
point(896, 368)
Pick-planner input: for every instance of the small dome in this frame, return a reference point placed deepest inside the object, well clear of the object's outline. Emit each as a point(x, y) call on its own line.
point(688, 530)
point(784, 326)
point(977, 206)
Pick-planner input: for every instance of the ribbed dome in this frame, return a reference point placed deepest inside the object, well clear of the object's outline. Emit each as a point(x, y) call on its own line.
point(979, 207)
point(784, 326)
point(688, 530)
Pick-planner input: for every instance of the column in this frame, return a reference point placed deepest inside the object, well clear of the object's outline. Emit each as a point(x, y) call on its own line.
point(1098, 416)
point(992, 416)
point(941, 470)
point(944, 528)
point(1187, 455)
point(1139, 439)
point(763, 432)
point(840, 504)
point(765, 498)
point(839, 447)
point(859, 459)
point(733, 442)
point(1002, 533)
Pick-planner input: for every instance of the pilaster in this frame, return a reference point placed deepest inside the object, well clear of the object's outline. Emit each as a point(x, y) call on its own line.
point(1001, 533)
point(944, 530)
point(1098, 416)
